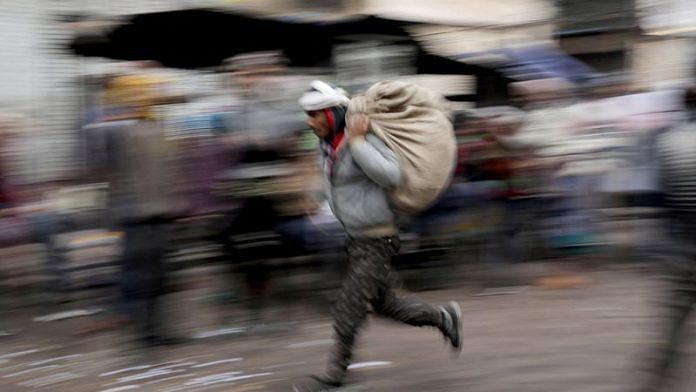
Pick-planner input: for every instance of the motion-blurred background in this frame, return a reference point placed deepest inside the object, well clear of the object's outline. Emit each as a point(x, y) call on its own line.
point(553, 234)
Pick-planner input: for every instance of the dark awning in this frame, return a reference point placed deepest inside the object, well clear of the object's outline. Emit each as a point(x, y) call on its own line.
point(205, 38)
point(201, 38)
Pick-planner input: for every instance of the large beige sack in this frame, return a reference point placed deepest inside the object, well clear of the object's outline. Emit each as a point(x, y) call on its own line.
point(415, 123)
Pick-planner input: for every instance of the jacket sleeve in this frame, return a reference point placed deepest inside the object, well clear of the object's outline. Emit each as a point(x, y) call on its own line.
point(321, 193)
point(377, 161)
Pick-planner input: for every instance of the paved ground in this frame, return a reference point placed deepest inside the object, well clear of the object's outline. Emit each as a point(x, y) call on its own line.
point(585, 339)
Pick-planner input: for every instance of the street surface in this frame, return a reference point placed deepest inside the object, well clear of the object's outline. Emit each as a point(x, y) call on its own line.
point(535, 339)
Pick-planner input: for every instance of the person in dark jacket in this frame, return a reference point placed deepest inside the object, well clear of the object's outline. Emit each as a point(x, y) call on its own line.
point(677, 161)
point(144, 198)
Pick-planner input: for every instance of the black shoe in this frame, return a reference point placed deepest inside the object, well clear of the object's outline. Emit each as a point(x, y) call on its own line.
point(161, 341)
point(316, 384)
point(452, 325)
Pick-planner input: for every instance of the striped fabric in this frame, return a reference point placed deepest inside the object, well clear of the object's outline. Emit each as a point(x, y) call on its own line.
point(677, 153)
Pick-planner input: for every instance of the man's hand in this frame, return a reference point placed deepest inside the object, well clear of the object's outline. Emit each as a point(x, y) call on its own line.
point(358, 125)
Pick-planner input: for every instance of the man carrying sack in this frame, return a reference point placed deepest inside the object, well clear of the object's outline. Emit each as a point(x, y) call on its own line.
point(362, 172)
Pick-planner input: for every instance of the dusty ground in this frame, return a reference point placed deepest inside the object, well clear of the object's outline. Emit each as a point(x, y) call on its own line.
point(584, 339)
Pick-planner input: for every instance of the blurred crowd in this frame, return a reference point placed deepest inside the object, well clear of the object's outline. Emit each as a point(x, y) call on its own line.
point(174, 180)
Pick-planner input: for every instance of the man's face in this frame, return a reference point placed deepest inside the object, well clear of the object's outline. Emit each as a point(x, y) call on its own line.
point(319, 123)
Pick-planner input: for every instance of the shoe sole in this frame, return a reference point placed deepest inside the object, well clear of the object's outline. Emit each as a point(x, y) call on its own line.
point(458, 313)
point(345, 388)
point(336, 389)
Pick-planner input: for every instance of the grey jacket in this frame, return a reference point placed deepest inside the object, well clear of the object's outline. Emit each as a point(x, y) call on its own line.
point(359, 182)
point(142, 176)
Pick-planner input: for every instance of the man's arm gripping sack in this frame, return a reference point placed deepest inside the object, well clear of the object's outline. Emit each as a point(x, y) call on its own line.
point(416, 124)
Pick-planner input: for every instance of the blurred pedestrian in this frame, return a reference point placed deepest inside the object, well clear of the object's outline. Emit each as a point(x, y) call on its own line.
point(677, 152)
point(142, 197)
point(9, 124)
point(521, 204)
point(360, 169)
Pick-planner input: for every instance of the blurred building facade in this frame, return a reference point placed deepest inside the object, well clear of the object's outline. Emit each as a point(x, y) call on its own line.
point(41, 81)
point(666, 51)
point(601, 33)
point(649, 40)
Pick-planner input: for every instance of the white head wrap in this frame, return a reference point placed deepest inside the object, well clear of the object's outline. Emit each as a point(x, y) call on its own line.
point(323, 96)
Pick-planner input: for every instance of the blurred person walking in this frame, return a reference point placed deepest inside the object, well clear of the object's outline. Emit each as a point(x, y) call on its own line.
point(142, 197)
point(9, 199)
point(520, 204)
point(677, 161)
point(360, 170)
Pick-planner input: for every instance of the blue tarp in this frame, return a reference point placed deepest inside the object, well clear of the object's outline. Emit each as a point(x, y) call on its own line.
point(535, 62)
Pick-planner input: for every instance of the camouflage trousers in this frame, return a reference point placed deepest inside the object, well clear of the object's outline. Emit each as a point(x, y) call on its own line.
point(367, 287)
